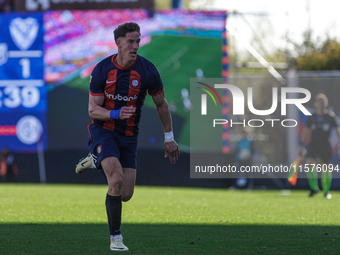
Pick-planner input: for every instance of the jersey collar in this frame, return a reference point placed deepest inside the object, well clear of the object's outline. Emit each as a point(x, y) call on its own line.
point(122, 67)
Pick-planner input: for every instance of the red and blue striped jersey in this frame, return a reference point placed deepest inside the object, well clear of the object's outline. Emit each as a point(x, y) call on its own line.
point(124, 86)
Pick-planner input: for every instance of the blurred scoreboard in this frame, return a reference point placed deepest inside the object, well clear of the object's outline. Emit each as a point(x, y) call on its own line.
point(23, 94)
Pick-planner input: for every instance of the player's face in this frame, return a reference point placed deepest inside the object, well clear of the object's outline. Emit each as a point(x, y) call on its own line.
point(320, 104)
point(129, 45)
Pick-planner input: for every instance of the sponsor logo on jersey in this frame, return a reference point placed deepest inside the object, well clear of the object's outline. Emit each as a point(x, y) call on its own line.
point(119, 97)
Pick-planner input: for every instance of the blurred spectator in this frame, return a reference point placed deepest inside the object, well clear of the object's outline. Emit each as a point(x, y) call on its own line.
point(6, 5)
point(8, 168)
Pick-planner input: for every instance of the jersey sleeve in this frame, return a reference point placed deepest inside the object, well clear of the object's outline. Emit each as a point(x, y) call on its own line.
point(155, 84)
point(97, 82)
point(333, 120)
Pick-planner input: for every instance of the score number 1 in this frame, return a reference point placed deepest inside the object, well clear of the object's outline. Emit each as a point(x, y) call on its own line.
point(26, 66)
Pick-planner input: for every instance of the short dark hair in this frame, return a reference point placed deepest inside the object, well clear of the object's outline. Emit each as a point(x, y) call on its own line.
point(127, 27)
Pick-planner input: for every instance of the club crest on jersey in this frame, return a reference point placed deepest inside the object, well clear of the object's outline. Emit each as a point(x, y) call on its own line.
point(135, 83)
point(99, 149)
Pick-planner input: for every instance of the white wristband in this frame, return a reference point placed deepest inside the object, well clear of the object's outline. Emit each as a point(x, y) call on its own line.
point(169, 136)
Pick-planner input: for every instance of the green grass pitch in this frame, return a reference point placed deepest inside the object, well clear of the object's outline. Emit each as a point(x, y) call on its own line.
point(71, 219)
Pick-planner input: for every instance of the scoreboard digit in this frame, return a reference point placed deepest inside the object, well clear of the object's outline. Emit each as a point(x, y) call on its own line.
point(23, 94)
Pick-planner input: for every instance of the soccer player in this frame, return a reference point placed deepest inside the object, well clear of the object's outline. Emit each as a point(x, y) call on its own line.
point(318, 127)
point(118, 87)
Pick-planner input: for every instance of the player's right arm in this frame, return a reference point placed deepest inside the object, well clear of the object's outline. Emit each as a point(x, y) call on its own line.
point(334, 123)
point(337, 130)
point(98, 112)
point(305, 134)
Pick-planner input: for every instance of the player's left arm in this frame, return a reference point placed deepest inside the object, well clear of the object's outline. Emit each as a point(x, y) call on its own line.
point(170, 147)
point(337, 130)
point(336, 127)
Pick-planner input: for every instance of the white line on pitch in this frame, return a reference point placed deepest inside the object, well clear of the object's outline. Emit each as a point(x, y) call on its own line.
point(174, 58)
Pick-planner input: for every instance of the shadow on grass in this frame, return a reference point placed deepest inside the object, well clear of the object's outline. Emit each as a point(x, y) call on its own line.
point(170, 239)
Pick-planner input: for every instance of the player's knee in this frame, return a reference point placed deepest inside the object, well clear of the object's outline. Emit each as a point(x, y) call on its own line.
point(116, 183)
point(127, 197)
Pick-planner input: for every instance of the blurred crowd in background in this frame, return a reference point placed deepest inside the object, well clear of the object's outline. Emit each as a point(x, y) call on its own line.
point(6, 5)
